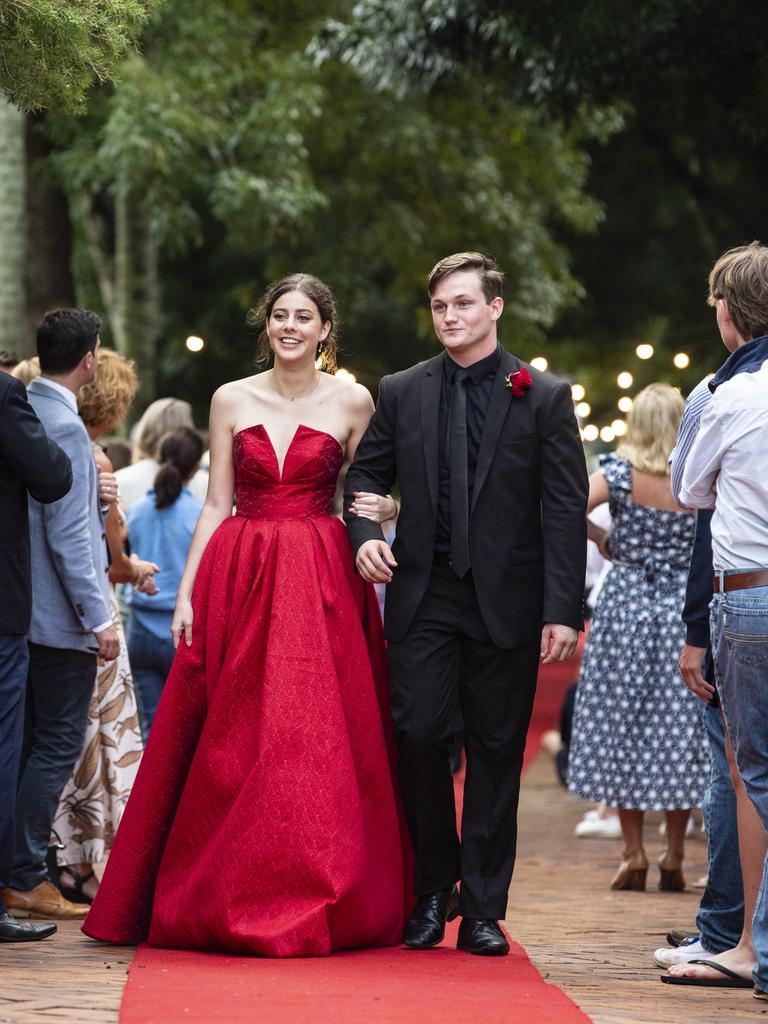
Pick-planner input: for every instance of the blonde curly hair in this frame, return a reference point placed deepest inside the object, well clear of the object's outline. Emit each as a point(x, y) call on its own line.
point(105, 400)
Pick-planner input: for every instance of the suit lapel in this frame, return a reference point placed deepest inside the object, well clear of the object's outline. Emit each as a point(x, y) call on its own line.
point(494, 421)
point(431, 389)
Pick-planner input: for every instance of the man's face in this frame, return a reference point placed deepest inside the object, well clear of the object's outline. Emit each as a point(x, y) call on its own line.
point(464, 319)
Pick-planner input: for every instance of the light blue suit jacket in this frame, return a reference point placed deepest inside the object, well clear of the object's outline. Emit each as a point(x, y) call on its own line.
point(70, 587)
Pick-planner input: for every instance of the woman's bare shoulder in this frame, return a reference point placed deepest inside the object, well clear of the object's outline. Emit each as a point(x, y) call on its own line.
point(356, 397)
point(234, 391)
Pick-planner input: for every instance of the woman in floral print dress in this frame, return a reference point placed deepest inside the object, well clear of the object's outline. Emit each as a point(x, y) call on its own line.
point(638, 742)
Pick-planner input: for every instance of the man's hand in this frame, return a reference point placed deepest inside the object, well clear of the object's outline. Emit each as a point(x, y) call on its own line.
point(557, 642)
point(107, 488)
point(375, 561)
point(690, 665)
point(109, 644)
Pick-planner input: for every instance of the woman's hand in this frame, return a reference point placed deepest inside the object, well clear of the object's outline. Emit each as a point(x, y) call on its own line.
point(107, 483)
point(144, 579)
point(374, 506)
point(148, 585)
point(601, 537)
point(182, 622)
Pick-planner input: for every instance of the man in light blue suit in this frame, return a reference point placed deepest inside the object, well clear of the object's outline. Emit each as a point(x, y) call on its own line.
point(71, 618)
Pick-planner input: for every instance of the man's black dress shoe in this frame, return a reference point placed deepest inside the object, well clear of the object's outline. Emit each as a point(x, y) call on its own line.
point(12, 930)
point(485, 938)
point(426, 925)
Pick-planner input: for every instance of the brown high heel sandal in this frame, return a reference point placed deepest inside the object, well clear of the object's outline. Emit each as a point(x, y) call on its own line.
point(632, 871)
point(670, 866)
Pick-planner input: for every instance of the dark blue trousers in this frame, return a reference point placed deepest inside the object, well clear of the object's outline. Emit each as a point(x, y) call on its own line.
point(14, 658)
point(59, 691)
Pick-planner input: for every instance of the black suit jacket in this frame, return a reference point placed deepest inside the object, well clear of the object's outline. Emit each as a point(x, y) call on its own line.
point(29, 463)
point(528, 516)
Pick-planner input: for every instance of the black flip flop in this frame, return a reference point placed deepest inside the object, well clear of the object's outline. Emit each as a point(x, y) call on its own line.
point(731, 979)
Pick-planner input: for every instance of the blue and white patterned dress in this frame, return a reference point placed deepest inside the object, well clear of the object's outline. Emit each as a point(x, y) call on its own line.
point(638, 740)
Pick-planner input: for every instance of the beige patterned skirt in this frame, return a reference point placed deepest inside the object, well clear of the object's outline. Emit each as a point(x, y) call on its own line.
point(92, 803)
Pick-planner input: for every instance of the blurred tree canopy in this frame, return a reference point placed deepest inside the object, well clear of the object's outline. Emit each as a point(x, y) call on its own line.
point(681, 183)
point(604, 154)
point(228, 154)
point(52, 50)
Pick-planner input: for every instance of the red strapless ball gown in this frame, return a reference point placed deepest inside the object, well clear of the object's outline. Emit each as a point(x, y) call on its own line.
point(264, 818)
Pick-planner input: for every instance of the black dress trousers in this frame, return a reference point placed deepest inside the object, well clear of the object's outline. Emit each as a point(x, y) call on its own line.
point(445, 661)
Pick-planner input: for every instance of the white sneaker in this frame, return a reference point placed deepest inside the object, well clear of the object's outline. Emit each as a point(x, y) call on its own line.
point(690, 949)
point(599, 828)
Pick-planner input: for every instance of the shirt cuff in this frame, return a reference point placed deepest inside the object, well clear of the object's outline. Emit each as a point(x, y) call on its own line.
point(697, 634)
point(102, 627)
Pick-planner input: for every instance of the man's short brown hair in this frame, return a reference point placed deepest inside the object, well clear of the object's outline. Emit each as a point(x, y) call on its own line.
point(491, 278)
point(740, 276)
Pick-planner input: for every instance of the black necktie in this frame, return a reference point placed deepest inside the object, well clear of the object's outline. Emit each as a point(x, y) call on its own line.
point(459, 480)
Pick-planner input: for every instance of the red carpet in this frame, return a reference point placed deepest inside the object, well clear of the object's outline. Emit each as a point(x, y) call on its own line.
point(380, 986)
point(554, 680)
point(386, 986)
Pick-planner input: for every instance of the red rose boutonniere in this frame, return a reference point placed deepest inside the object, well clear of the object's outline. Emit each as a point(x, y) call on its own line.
point(519, 381)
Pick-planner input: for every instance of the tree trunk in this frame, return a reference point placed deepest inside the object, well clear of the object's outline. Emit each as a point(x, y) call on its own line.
point(137, 304)
point(12, 231)
point(49, 234)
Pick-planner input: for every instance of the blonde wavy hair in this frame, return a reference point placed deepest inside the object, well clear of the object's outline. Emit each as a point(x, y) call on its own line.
point(104, 401)
point(26, 370)
point(652, 429)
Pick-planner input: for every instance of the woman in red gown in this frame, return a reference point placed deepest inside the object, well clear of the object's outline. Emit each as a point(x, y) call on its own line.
point(264, 818)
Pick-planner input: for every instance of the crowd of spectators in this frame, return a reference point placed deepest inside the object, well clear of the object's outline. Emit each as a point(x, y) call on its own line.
point(72, 719)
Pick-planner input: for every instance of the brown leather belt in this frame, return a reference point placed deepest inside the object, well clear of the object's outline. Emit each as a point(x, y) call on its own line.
point(741, 580)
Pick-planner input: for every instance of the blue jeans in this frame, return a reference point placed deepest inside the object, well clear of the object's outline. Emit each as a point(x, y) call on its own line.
point(740, 651)
point(14, 659)
point(151, 658)
point(721, 911)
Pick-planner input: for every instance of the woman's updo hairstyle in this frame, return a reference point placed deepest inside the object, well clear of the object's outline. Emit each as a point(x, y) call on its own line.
point(179, 453)
point(320, 294)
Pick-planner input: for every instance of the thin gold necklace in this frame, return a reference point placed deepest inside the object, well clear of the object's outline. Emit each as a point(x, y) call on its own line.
point(292, 398)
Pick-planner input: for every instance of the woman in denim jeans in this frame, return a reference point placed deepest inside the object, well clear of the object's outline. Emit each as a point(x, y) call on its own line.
point(162, 523)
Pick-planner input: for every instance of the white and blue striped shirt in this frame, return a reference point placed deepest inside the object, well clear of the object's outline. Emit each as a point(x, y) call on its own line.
point(695, 404)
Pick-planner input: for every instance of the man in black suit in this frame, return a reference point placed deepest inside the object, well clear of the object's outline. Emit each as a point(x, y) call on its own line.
point(485, 578)
point(29, 463)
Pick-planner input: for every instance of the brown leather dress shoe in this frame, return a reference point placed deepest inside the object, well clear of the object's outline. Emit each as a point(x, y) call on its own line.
point(44, 900)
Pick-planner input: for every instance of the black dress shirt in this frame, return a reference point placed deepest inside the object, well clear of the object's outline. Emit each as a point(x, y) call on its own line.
point(479, 387)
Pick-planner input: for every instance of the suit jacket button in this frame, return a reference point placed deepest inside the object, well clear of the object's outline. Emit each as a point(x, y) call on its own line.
point(79, 609)
point(103, 536)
